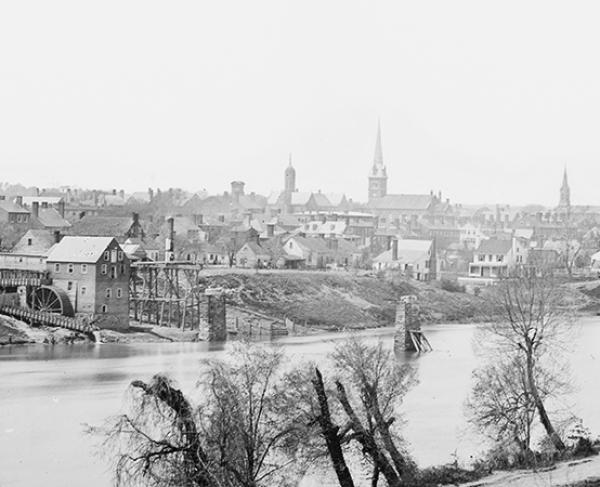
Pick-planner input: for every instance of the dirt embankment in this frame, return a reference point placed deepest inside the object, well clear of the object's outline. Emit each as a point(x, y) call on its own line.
point(335, 301)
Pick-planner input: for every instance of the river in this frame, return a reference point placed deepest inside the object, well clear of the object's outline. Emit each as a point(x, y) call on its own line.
point(49, 393)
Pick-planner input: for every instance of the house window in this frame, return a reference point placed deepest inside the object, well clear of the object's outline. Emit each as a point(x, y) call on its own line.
point(103, 269)
point(29, 241)
point(83, 290)
point(56, 267)
point(107, 293)
point(120, 255)
point(481, 258)
point(84, 268)
point(113, 272)
point(119, 292)
point(106, 255)
point(104, 308)
point(113, 256)
point(70, 286)
point(121, 268)
point(499, 258)
point(70, 268)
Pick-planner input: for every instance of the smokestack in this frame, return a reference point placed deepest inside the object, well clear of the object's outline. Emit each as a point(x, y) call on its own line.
point(35, 208)
point(169, 244)
point(395, 249)
point(61, 208)
point(57, 236)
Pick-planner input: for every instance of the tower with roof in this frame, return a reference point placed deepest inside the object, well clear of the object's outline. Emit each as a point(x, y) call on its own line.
point(378, 174)
point(290, 177)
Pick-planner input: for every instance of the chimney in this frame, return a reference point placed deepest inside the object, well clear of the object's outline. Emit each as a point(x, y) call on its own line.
point(61, 208)
point(169, 244)
point(122, 194)
point(395, 249)
point(35, 208)
point(270, 229)
point(44, 205)
point(57, 236)
point(150, 194)
point(114, 192)
point(19, 200)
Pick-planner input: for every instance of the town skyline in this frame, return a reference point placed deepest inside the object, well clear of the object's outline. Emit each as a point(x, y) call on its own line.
point(214, 98)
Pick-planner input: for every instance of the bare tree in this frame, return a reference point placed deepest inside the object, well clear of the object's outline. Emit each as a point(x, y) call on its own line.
point(533, 326)
point(239, 434)
point(369, 386)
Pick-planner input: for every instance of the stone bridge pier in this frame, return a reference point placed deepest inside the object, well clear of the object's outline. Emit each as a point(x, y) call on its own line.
point(407, 320)
point(217, 323)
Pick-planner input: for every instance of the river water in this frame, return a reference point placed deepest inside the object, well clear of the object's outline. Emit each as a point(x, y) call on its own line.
point(49, 393)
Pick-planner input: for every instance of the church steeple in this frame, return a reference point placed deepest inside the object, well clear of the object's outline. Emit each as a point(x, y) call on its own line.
point(378, 156)
point(565, 192)
point(378, 173)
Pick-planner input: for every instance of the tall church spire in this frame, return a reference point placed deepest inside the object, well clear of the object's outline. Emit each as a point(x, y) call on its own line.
point(565, 192)
point(378, 157)
point(378, 173)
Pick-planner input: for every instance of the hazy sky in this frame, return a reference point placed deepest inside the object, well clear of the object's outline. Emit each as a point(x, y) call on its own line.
point(486, 101)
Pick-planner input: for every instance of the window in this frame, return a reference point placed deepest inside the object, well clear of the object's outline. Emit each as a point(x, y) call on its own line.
point(119, 292)
point(83, 290)
point(70, 268)
point(107, 293)
point(481, 258)
point(113, 272)
point(106, 255)
point(499, 258)
point(29, 241)
point(84, 268)
point(70, 286)
point(103, 269)
point(120, 255)
point(104, 308)
point(113, 255)
point(56, 267)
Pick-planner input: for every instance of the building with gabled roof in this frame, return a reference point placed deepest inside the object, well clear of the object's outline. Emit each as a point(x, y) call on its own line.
point(413, 258)
point(120, 227)
point(94, 273)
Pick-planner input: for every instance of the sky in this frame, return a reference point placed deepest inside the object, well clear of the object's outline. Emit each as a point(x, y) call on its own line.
point(486, 101)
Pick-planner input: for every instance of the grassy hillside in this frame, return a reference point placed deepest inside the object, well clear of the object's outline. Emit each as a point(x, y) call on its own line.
point(338, 301)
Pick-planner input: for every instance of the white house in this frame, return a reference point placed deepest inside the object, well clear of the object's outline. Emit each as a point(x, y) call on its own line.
point(496, 258)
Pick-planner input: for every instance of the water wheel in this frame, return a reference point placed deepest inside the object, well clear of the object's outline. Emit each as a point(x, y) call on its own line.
point(50, 299)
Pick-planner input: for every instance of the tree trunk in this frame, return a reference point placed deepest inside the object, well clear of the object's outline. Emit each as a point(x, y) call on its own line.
point(541, 409)
point(383, 427)
point(368, 442)
point(195, 457)
point(330, 433)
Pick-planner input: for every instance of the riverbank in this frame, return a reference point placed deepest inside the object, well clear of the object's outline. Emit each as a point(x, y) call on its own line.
point(314, 302)
point(577, 473)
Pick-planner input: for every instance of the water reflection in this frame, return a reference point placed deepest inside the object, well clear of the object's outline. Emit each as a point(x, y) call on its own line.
point(48, 392)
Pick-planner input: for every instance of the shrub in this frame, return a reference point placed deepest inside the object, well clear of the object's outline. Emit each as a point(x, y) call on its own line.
point(452, 286)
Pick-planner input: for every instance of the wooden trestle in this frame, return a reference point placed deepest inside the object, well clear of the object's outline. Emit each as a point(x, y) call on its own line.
point(167, 294)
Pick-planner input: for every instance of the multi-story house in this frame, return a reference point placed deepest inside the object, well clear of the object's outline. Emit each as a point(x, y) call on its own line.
point(94, 273)
point(496, 258)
